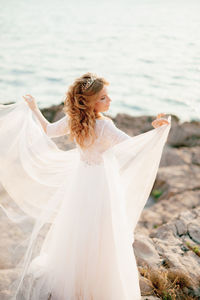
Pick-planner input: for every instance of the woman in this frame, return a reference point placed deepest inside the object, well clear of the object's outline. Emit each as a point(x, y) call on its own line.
point(91, 196)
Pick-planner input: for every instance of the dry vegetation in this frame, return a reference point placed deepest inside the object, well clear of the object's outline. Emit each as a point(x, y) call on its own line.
point(170, 284)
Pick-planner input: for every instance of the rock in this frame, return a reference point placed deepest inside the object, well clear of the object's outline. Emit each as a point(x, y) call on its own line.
point(165, 232)
point(173, 245)
point(196, 156)
point(185, 134)
point(174, 258)
point(145, 252)
point(194, 232)
point(169, 244)
point(181, 227)
point(58, 114)
point(172, 157)
point(133, 125)
point(51, 112)
point(165, 210)
point(191, 155)
point(145, 286)
point(180, 156)
point(184, 177)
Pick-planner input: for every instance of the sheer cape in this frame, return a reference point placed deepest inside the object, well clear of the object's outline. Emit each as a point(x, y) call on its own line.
point(33, 170)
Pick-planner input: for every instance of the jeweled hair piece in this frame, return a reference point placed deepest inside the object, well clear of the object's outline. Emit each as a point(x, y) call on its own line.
point(88, 83)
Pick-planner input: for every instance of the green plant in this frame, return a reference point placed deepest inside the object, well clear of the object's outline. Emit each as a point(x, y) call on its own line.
point(157, 193)
point(194, 248)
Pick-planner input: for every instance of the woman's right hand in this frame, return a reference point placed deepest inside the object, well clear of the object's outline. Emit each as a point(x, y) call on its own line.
point(31, 101)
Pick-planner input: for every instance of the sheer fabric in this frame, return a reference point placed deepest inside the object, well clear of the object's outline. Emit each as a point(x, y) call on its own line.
point(90, 199)
point(58, 128)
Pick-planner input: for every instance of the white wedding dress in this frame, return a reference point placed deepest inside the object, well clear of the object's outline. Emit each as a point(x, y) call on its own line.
point(90, 199)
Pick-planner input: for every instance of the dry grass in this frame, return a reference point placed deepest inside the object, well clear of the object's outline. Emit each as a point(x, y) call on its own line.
point(169, 284)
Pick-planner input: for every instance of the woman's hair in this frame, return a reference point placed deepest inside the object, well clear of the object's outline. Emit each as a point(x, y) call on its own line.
point(79, 106)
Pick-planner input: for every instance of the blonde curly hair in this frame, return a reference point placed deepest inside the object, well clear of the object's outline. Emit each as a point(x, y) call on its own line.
point(79, 106)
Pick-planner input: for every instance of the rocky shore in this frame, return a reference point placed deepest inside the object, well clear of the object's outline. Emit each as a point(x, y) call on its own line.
point(167, 236)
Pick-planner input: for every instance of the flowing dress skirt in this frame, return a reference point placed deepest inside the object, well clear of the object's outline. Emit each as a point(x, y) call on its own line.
point(81, 257)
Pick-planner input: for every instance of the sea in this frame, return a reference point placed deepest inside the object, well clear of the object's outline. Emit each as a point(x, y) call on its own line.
point(149, 51)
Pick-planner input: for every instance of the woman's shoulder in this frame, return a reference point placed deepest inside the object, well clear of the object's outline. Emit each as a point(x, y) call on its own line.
point(105, 124)
point(104, 118)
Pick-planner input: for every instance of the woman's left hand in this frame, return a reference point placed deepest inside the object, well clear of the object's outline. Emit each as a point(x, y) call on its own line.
point(159, 121)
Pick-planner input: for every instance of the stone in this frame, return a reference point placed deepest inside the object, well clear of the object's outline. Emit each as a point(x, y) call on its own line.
point(173, 157)
point(166, 209)
point(181, 227)
point(145, 251)
point(194, 232)
point(167, 244)
point(185, 134)
point(184, 177)
point(145, 286)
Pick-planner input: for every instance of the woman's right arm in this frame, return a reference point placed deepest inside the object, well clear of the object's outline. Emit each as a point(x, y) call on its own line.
point(33, 106)
point(114, 135)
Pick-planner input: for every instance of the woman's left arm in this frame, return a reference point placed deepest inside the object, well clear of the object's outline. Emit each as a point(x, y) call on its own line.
point(30, 100)
point(55, 129)
point(58, 128)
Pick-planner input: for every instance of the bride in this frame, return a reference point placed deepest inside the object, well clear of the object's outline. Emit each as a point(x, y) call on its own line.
point(90, 197)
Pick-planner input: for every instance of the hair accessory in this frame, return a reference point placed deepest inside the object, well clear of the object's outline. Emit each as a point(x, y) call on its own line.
point(89, 82)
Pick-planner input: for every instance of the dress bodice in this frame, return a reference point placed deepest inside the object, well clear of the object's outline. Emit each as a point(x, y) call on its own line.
point(107, 136)
point(93, 154)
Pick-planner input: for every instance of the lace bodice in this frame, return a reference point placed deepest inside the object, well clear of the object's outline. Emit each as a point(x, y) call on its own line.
point(108, 135)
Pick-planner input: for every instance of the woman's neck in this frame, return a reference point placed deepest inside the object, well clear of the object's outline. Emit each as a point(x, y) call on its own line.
point(100, 116)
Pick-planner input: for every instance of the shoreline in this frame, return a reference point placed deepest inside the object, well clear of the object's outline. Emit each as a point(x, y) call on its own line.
point(51, 109)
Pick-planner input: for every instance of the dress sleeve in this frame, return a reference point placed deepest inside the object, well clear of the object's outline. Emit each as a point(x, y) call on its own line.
point(113, 134)
point(58, 128)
